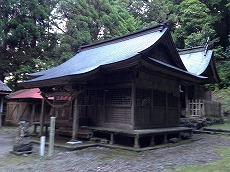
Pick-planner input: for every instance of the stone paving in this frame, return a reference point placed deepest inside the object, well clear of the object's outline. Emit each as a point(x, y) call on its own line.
point(101, 159)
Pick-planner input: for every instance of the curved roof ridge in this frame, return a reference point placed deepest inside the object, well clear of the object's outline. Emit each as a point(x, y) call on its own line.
point(158, 27)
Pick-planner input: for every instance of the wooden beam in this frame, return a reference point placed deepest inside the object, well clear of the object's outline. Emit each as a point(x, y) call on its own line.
point(75, 119)
point(42, 118)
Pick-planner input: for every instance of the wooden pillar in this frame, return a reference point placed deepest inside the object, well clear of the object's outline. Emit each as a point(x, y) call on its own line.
point(152, 141)
point(186, 101)
point(165, 139)
point(42, 118)
point(75, 120)
point(133, 104)
point(1, 110)
point(136, 141)
point(111, 138)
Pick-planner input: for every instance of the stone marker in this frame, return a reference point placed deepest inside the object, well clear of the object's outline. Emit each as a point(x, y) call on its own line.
point(23, 144)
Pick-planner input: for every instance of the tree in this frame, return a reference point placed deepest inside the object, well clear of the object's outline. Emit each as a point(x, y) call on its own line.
point(88, 21)
point(154, 11)
point(195, 24)
point(25, 37)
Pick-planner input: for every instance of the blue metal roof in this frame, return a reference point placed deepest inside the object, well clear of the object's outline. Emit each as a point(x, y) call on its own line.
point(4, 87)
point(92, 57)
point(196, 61)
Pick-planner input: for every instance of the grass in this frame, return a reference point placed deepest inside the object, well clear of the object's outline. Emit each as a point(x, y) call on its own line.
point(8, 129)
point(223, 97)
point(225, 126)
point(15, 160)
point(221, 165)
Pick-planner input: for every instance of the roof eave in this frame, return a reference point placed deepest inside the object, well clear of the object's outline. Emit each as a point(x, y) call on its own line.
point(181, 74)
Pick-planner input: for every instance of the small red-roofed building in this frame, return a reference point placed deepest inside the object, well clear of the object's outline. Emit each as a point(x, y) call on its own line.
point(25, 105)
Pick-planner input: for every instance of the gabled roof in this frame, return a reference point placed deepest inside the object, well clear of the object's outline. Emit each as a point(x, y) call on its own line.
point(33, 93)
point(110, 51)
point(196, 60)
point(4, 89)
point(113, 53)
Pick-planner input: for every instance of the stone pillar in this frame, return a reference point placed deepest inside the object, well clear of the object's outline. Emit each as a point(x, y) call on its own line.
point(51, 136)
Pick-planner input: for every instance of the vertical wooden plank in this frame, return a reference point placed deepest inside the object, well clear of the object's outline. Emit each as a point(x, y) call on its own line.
point(42, 118)
point(75, 119)
point(152, 115)
point(166, 110)
point(33, 113)
point(133, 104)
point(103, 119)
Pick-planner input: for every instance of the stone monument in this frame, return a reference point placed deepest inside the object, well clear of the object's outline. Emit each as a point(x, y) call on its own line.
point(23, 144)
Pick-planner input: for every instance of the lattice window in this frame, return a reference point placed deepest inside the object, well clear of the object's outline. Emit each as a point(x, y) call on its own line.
point(143, 97)
point(118, 115)
point(100, 97)
point(120, 96)
point(159, 98)
point(172, 100)
point(91, 98)
point(82, 99)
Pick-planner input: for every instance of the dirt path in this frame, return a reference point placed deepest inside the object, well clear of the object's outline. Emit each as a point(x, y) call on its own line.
point(112, 160)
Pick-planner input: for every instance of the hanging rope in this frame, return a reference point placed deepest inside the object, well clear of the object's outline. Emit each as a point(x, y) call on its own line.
point(72, 97)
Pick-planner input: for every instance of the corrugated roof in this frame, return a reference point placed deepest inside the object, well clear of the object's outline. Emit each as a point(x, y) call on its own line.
point(196, 60)
point(33, 93)
point(92, 57)
point(4, 87)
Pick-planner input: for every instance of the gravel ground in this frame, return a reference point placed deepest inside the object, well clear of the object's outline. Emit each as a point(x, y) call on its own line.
point(113, 160)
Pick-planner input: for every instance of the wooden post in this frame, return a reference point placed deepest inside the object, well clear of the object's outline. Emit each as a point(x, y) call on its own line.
point(42, 118)
point(133, 104)
point(75, 120)
point(111, 139)
point(165, 139)
point(186, 102)
point(152, 141)
point(1, 110)
point(136, 142)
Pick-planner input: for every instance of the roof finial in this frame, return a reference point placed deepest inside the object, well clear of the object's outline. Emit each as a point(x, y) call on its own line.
point(206, 46)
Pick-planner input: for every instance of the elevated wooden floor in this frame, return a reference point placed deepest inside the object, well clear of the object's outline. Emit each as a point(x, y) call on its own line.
point(153, 134)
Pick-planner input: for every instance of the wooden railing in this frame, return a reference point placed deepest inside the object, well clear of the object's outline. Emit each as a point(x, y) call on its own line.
point(201, 108)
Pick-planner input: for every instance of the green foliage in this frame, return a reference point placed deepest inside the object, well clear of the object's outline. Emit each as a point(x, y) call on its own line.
point(103, 19)
point(195, 24)
point(154, 11)
point(222, 96)
point(25, 35)
point(36, 35)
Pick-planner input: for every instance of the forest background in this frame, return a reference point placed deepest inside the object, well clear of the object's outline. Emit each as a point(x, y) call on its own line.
point(40, 34)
